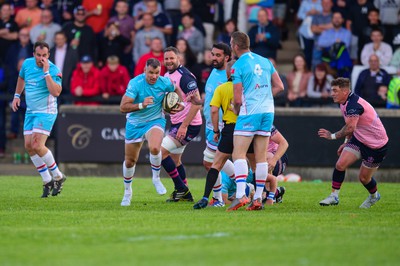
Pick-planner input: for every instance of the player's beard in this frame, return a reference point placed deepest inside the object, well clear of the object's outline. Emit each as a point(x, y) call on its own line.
point(172, 67)
point(217, 65)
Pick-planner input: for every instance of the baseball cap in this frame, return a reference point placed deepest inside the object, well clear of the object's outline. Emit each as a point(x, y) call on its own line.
point(86, 59)
point(79, 8)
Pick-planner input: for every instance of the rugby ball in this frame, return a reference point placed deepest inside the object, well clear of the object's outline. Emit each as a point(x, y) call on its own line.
point(171, 99)
point(292, 177)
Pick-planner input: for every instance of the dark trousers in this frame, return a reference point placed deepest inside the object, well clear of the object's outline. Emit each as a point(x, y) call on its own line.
point(16, 118)
point(308, 46)
point(3, 139)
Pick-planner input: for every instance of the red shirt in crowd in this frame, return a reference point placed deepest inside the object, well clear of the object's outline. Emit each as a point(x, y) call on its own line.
point(98, 22)
point(89, 82)
point(139, 68)
point(114, 83)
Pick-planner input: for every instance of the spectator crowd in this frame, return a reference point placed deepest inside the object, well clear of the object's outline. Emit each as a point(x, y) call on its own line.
point(99, 45)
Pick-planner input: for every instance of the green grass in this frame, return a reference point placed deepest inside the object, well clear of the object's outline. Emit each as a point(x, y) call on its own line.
point(85, 225)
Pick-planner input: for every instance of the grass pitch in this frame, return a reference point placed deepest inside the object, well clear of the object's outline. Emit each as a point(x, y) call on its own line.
point(85, 225)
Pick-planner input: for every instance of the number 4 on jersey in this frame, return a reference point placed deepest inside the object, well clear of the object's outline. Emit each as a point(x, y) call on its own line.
point(257, 70)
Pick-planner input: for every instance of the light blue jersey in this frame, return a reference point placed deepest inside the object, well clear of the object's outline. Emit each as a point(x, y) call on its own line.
point(138, 89)
point(255, 73)
point(216, 78)
point(37, 95)
point(229, 185)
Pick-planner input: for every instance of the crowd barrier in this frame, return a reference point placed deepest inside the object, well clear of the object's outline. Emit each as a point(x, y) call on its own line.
point(115, 100)
point(95, 134)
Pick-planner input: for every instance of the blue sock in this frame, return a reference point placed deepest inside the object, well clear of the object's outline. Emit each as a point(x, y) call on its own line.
point(170, 167)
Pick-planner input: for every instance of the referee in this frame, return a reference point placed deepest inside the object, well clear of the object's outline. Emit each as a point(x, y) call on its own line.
point(223, 97)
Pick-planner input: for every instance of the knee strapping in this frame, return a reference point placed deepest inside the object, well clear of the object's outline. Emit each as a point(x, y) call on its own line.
point(208, 155)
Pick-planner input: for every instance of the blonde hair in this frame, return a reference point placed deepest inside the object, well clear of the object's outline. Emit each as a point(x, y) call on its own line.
point(241, 39)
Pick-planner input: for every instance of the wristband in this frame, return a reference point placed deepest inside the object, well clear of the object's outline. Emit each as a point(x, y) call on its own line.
point(46, 73)
point(17, 95)
point(216, 131)
point(346, 140)
point(333, 136)
point(140, 106)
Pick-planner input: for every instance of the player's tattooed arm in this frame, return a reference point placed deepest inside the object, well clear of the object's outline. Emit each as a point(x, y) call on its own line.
point(180, 93)
point(194, 98)
point(348, 129)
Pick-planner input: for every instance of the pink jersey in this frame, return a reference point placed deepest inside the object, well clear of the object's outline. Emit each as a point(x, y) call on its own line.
point(184, 81)
point(369, 130)
point(272, 146)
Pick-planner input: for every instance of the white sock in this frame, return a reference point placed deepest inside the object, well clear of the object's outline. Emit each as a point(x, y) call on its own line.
point(229, 169)
point(128, 176)
point(217, 189)
point(48, 158)
point(335, 192)
point(261, 176)
point(41, 168)
point(155, 161)
point(241, 172)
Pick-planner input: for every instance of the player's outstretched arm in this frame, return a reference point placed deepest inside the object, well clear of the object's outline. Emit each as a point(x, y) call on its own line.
point(325, 134)
point(346, 131)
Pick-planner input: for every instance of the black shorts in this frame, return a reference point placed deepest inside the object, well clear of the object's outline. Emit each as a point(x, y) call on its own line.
point(225, 144)
point(280, 165)
point(191, 133)
point(371, 158)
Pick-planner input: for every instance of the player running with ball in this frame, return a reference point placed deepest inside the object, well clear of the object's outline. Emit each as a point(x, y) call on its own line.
point(142, 103)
